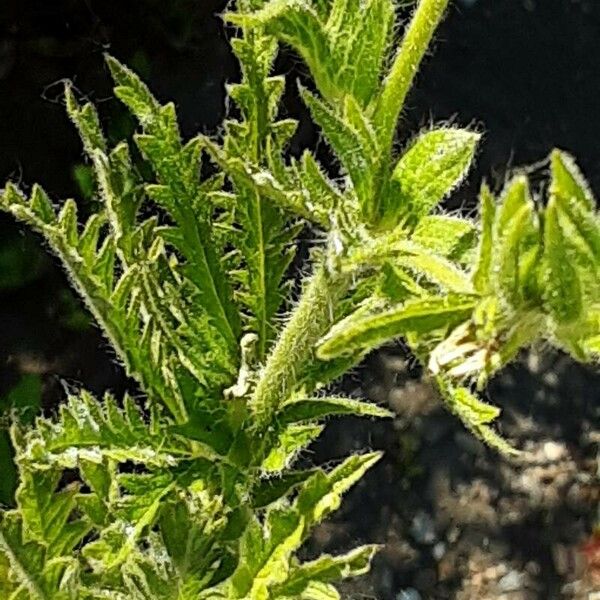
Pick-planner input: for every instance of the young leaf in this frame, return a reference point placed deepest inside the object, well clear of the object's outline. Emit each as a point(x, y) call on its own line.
point(482, 274)
point(298, 24)
point(429, 170)
point(563, 294)
point(450, 237)
point(568, 183)
point(176, 166)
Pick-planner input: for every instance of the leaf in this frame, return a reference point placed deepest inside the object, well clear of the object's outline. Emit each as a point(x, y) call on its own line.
point(137, 513)
point(562, 290)
point(322, 493)
point(515, 197)
point(434, 165)
point(482, 274)
point(265, 553)
point(450, 237)
point(189, 525)
point(362, 46)
point(310, 409)
point(291, 200)
point(517, 245)
point(298, 24)
point(344, 44)
point(47, 512)
point(418, 316)
point(38, 578)
point(328, 568)
point(87, 122)
point(475, 415)
point(568, 183)
point(268, 250)
point(436, 269)
point(347, 143)
point(274, 488)
point(89, 430)
point(517, 257)
point(176, 166)
point(292, 440)
point(575, 205)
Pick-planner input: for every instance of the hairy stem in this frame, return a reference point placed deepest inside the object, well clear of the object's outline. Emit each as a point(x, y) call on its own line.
point(309, 321)
point(417, 38)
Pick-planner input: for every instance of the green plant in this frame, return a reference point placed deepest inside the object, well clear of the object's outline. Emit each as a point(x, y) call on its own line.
point(193, 494)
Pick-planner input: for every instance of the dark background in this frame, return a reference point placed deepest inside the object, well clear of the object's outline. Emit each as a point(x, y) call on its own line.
point(525, 72)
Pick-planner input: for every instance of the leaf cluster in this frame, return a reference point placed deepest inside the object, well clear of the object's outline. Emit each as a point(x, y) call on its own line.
point(193, 492)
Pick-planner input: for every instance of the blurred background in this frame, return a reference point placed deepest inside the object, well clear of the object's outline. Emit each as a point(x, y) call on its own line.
point(457, 521)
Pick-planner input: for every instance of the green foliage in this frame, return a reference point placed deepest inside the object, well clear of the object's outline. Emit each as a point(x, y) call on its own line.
point(22, 403)
point(192, 492)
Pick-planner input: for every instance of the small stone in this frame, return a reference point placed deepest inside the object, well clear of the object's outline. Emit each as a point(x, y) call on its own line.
point(553, 451)
point(551, 379)
point(408, 594)
point(511, 582)
point(438, 551)
point(422, 528)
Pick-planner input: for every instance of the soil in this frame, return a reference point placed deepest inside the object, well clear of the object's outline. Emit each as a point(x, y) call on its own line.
point(455, 519)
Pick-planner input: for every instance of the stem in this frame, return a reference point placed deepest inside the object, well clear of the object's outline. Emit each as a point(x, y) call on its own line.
point(310, 320)
point(417, 38)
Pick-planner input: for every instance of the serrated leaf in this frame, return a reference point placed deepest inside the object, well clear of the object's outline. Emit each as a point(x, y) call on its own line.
point(37, 577)
point(475, 415)
point(91, 431)
point(86, 120)
point(327, 568)
point(322, 493)
point(265, 553)
point(41, 205)
point(298, 24)
point(347, 143)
